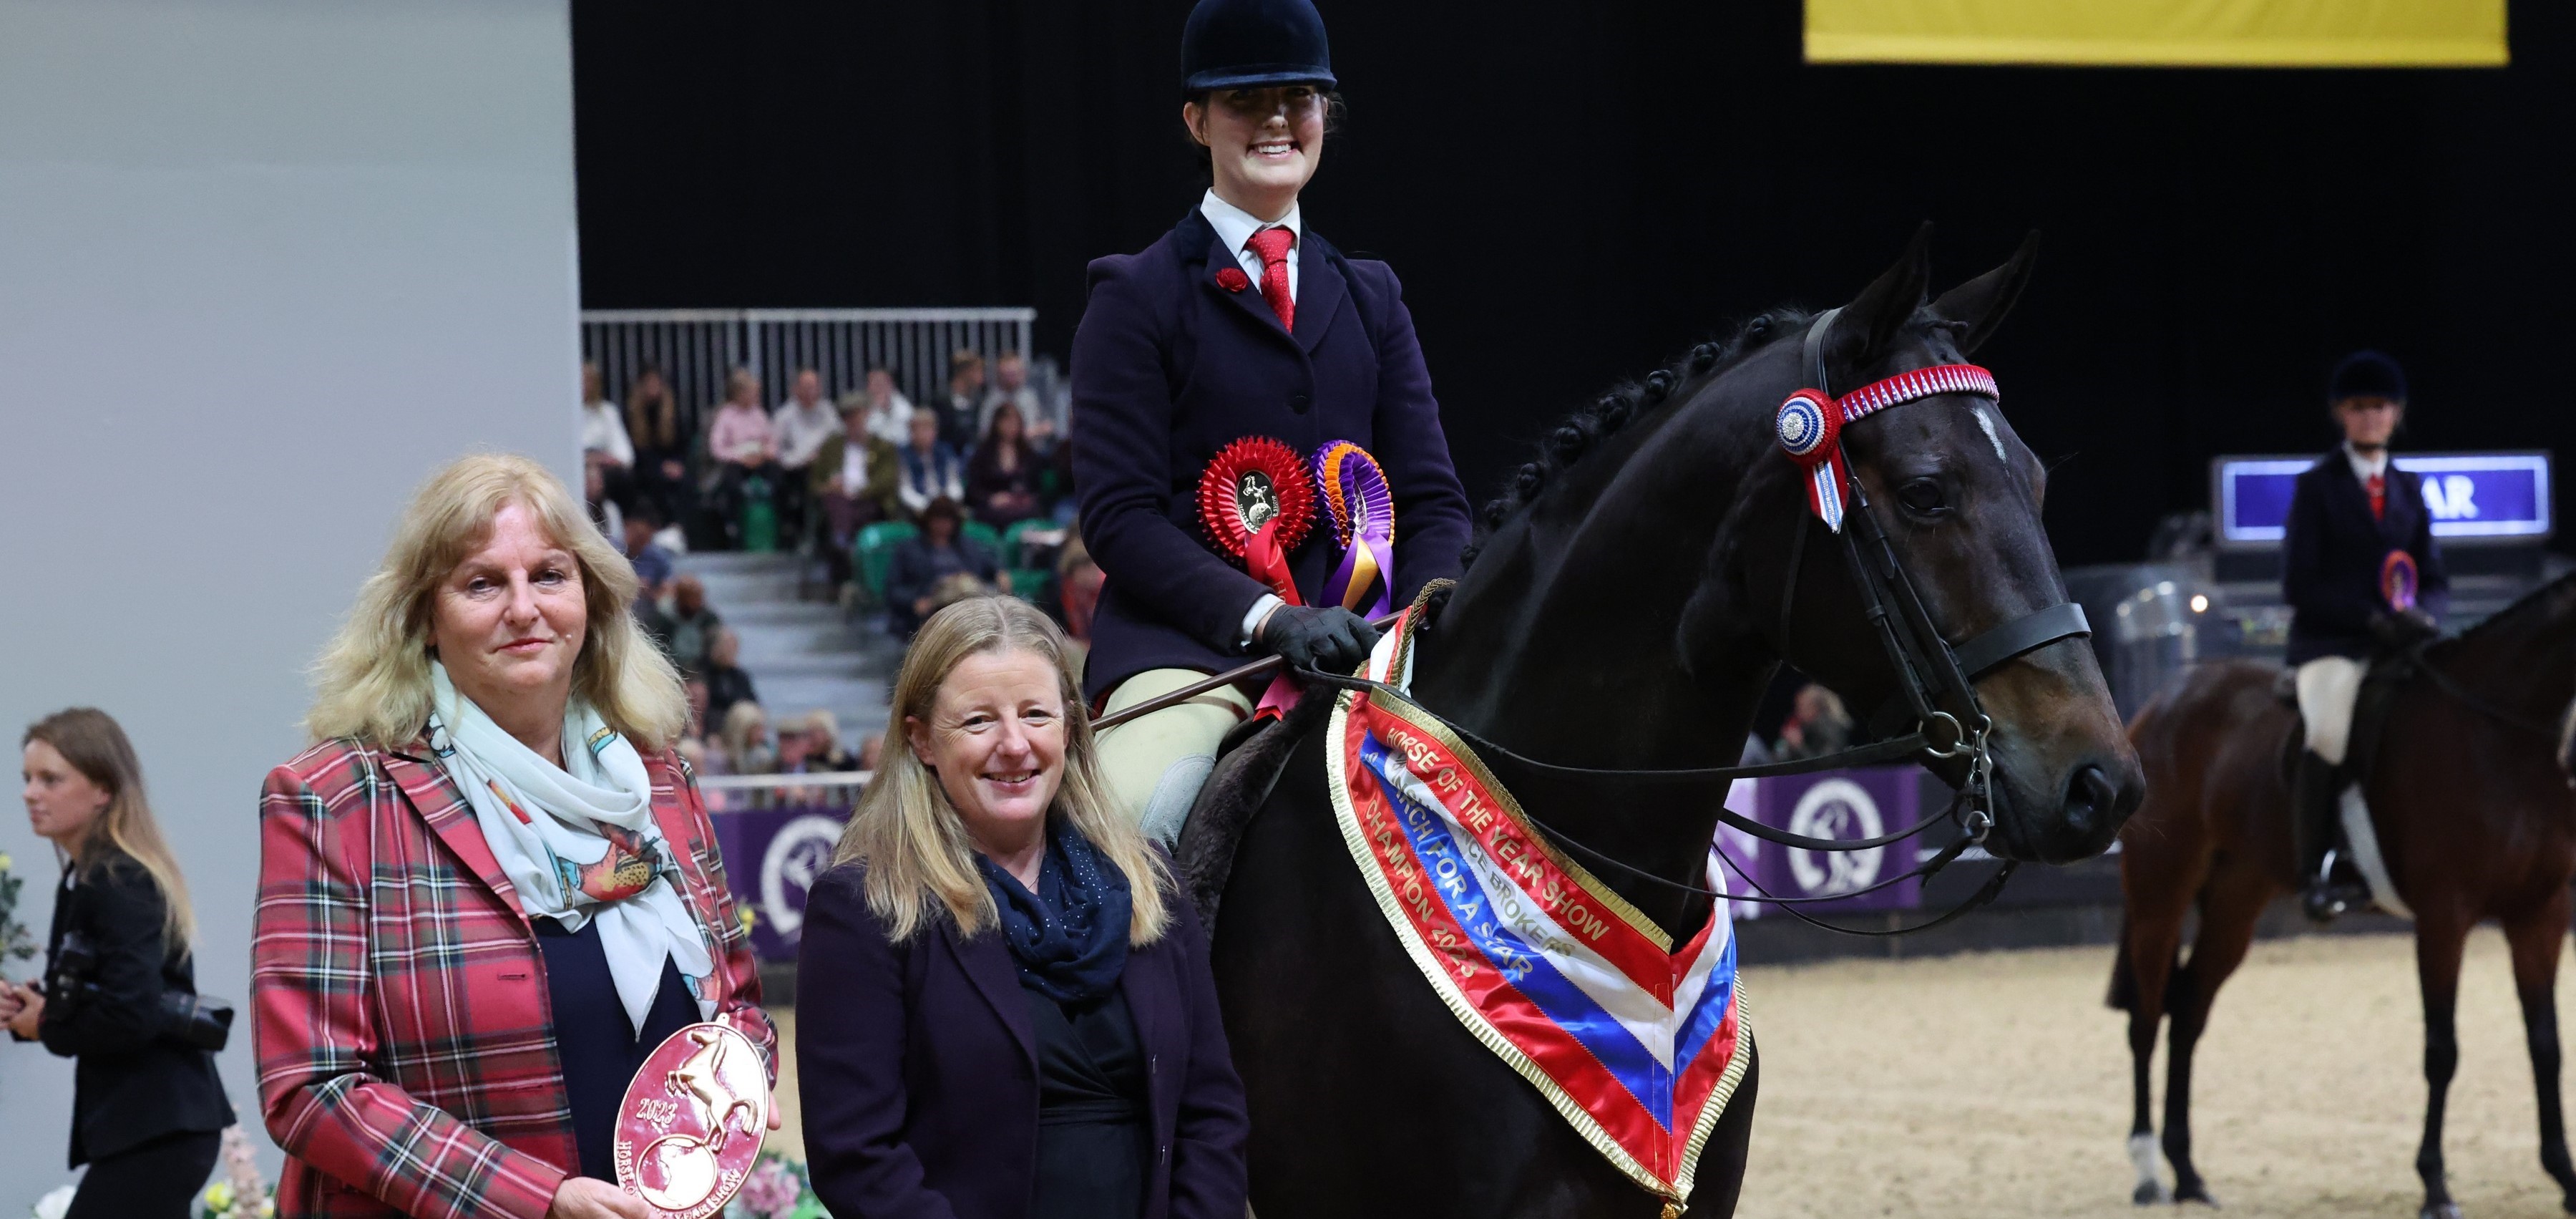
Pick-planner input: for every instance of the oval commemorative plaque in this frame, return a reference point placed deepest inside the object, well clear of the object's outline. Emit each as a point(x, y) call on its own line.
point(692, 1122)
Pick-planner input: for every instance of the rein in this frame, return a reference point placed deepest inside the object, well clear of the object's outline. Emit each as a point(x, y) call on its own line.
point(2451, 686)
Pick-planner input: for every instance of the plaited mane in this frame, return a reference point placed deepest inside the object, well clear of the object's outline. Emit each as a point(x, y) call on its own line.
point(1583, 431)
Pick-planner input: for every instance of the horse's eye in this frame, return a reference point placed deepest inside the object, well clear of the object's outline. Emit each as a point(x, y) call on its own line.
point(1922, 497)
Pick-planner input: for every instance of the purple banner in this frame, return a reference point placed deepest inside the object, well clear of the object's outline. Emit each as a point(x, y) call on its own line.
point(1833, 804)
point(772, 856)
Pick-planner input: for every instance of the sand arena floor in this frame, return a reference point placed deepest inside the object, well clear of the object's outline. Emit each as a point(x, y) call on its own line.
point(1998, 1085)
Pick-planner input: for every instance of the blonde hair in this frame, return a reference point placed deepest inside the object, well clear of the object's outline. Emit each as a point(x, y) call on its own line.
point(372, 681)
point(919, 859)
point(744, 731)
point(94, 744)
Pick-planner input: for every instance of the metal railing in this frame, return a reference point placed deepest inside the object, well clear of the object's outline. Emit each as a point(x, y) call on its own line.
point(745, 793)
point(695, 348)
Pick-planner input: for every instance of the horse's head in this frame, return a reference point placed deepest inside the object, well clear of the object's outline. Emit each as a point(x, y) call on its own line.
point(1958, 497)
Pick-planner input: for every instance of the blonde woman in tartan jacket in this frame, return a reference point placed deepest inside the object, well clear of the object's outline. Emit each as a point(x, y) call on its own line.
point(428, 1044)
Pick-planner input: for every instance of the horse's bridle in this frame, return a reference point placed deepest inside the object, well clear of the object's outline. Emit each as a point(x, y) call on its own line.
point(1927, 666)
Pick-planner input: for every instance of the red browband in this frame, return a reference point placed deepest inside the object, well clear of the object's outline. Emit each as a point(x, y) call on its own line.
point(1920, 383)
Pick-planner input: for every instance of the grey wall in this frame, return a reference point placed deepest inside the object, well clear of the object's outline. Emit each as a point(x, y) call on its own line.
point(263, 265)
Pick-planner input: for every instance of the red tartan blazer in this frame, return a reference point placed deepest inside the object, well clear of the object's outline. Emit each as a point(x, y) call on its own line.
point(407, 1060)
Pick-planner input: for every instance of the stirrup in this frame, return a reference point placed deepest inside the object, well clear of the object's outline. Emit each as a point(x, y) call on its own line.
point(2322, 901)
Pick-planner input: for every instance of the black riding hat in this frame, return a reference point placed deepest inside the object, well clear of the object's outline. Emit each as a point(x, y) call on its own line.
point(2370, 374)
point(1247, 44)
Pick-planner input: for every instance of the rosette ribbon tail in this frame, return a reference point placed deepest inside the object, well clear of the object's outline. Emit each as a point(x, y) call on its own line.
point(1364, 569)
point(1268, 564)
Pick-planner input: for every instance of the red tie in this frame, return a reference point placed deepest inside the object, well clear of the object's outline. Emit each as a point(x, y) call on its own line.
point(1272, 245)
point(2378, 488)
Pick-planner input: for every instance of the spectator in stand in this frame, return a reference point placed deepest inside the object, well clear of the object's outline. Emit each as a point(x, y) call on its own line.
point(802, 424)
point(653, 565)
point(930, 468)
point(823, 738)
point(925, 571)
point(652, 571)
point(727, 684)
point(696, 689)
point(803, 421)
point(603, 508)
point(693, 624)
point(660, 465)
point(857, 480)
point(1078, 581)
point(889, 412)
point(964, 407)
point(1817, 725)
point(1002, 480)
point(870, 750)
point(743, 445)
point(744, 747)
point(1011, 386)
point(603, 429)
point(1055, 484)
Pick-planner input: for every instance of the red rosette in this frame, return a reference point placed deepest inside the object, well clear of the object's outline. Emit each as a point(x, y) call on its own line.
point(691, 1124)
point(1232, 279)
point(1256, 483)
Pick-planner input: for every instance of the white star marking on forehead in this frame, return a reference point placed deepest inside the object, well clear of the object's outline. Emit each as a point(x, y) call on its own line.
point(1987, 422)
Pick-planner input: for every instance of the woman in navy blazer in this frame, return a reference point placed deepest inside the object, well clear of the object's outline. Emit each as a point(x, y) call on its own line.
point(1007, 1008)
point(1240, 322)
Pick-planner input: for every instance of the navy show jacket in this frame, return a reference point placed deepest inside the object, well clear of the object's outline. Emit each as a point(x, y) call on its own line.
point(2332, 552)
point(917, 1067)
point(1169, 367)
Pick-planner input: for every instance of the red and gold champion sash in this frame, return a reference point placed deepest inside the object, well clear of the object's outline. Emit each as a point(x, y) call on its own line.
point(1636, 1042)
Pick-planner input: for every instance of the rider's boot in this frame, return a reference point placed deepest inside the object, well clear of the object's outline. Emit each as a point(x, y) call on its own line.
point(2314, 794)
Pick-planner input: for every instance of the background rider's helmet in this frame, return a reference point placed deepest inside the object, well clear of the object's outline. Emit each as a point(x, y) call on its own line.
point(1249, 44)
point(2370, 374)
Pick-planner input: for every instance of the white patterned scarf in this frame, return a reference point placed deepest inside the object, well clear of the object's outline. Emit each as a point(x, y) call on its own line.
point(578, 840)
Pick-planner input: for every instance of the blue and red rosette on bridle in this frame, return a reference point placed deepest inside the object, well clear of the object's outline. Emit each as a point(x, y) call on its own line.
point(1258, 500)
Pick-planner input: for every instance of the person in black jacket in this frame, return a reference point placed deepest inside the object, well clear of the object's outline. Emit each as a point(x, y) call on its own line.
point(2361, 574)
point(147, 1110)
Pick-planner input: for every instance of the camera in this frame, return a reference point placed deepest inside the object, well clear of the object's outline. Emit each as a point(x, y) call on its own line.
point(184, 1017)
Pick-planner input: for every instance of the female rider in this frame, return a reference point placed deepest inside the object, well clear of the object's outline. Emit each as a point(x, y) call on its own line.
point(1242, 322)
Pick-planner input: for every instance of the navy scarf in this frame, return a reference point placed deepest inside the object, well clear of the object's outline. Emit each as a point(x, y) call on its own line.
point(1069, 937)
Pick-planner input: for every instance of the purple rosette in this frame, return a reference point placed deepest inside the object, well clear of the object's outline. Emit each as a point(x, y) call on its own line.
point(1361, 510)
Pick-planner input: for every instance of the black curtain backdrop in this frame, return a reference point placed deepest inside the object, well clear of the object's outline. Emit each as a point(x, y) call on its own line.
point(1574, 192)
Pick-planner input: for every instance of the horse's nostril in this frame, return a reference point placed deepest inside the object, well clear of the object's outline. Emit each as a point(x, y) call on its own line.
point(2090, 797)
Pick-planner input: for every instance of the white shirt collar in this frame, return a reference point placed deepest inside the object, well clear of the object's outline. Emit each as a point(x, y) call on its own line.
point(1234, 226)
point(2365, 468)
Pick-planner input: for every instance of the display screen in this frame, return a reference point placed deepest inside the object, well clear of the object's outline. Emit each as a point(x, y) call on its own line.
point(2470, 496)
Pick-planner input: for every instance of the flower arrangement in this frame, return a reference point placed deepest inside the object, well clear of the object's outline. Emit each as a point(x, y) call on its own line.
point(240, 1193)
point(17, 943)
point(776, 1189)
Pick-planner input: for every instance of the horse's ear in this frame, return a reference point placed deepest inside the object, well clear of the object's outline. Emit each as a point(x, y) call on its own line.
point(1979, 305)
point(1875, 317)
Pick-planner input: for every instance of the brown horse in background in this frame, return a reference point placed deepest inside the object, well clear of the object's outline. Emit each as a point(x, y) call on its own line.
point(2474, 818)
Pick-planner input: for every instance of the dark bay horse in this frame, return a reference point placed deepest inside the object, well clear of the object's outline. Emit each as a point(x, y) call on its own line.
point(2474, 820)
point(1627, 606)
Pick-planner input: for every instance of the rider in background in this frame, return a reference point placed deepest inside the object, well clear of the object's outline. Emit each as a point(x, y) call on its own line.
point(2351, 594)
point(1240, 322)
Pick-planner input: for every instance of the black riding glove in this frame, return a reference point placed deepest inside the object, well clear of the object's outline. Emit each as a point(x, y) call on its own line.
point(2403, 627)
point(1328, 638)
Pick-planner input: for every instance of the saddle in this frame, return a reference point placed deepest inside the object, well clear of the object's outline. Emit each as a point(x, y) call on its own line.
point(1248, 765)
point(2385, 673)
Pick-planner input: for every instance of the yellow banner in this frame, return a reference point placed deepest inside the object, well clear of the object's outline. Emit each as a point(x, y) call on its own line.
point(2177, 33)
